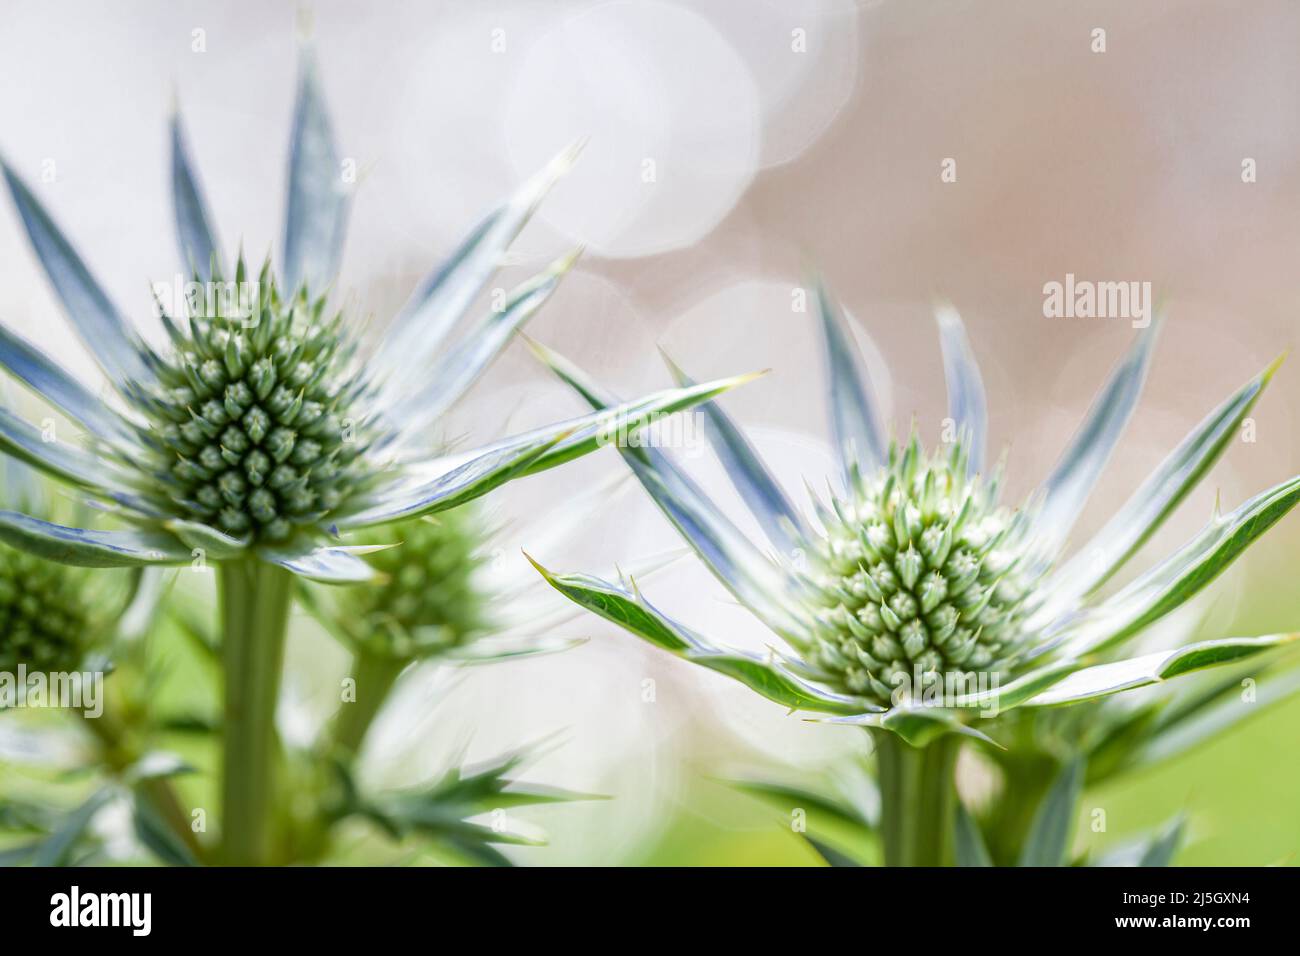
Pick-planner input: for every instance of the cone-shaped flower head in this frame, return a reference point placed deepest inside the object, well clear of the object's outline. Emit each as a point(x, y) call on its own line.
point(254, 416)
point(453, 586)
point(917, 570)
point(268, 427)
point(912, 600)
point(428, 599)
point(49, 613)
point(43, 617)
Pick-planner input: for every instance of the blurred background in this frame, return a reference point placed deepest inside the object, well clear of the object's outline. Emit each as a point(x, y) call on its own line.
point(733, 146)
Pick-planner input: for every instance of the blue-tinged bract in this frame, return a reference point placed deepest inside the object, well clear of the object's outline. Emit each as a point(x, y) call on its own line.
point(913, 601)
point(276, 431)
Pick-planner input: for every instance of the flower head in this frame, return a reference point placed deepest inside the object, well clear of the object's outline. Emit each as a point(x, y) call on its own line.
point(270, 428)
point(43, 618)
point(917, 567)
point(249, 415)
point(914, 601)
point(429, 599)
point(49, 613)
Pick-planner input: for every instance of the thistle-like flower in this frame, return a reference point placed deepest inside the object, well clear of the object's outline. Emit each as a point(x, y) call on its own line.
point(42, 616)
point(267, 429)
point(428, 600)
point(447, 594)
point(45, 616)
point(446, 590)
point(916, 569)
point(924, 605)
point(53, 617)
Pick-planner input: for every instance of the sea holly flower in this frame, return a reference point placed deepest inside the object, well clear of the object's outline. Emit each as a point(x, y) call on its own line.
point(42, 614)
point(61, 630)
point(450, 590)
point(928, 608)
point(453, 593)
point(269, 430)
point(427, 601)
point(48, 614)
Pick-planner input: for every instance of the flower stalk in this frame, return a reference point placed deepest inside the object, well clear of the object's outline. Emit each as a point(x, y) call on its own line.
point(374, 675)
point(255, 600)
point(918, 799)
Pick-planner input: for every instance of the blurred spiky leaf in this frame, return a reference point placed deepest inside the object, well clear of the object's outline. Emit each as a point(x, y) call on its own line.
point(61, 845)
point(444, 810)
point(157, 837)
point(1048, 842)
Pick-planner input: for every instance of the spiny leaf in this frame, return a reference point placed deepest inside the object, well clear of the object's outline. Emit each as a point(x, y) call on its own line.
point(1072, 480)
point(970, 849)
point(158, 838)
point(832, 856)
point(421, 328)
point(90, 549)
point(58, 847)
point(112, 341)
point(1183, 574)
point(855, 420)
point(199, 248)
point(317, 202)
point(1103, 680)
point(819, 807)
point(1161, 850)
point(767, 502)
point(966, 404)
point(1151, 504)
point(46, 378)
point(1048, 841)
point(323, 564)
point(632, 612)
point(459, 368)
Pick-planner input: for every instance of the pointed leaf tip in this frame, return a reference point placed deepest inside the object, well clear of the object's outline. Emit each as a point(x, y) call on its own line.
point(1272, 367)
point(540, 568)
point(567, 261)
point(567, 158)
point(855, 419)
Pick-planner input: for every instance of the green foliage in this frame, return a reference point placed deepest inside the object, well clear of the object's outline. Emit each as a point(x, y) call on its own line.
point(447, 811)
point(1048, 840)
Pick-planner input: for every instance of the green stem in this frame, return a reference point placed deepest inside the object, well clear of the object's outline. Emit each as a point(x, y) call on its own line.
point(255, 601)
point(310, 833)
point(374, 675)
point(918, 796)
